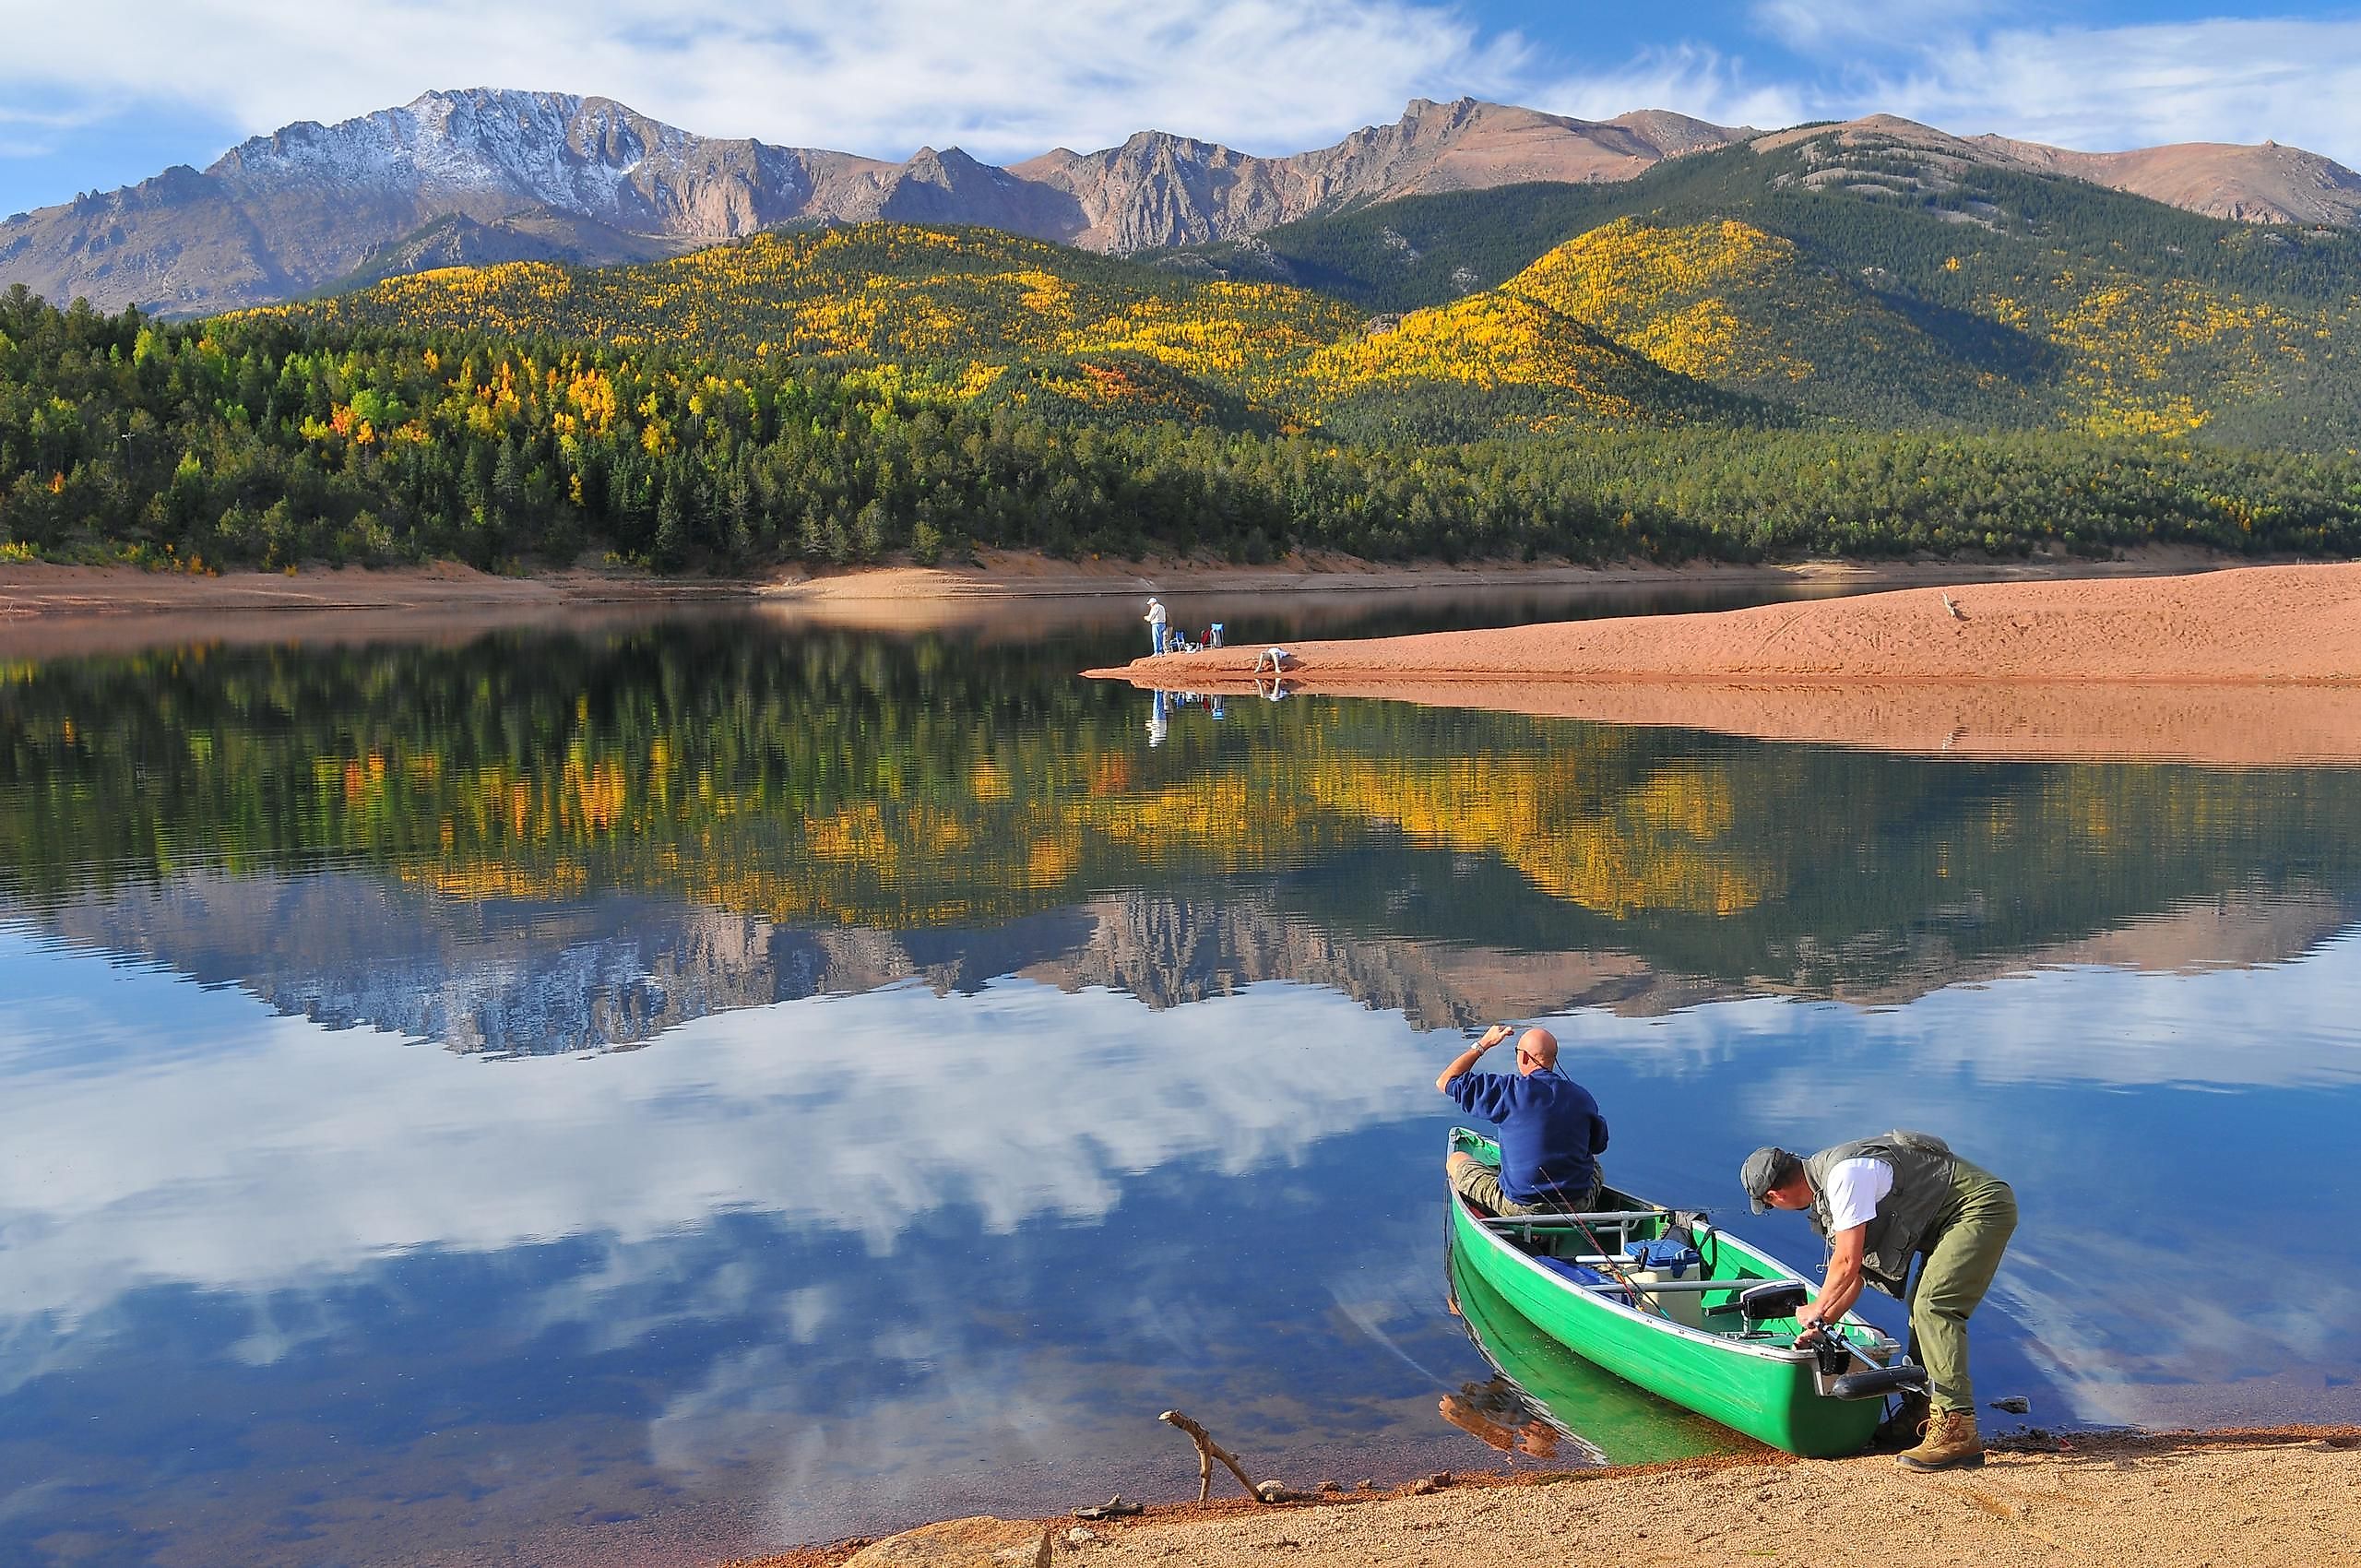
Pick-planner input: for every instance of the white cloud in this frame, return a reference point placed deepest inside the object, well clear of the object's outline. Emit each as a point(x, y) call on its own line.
point(1689, 78)
point(1001, 79)
point(2106, 89)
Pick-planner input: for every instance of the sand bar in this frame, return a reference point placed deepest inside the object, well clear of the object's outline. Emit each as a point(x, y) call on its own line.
point(2254, 665)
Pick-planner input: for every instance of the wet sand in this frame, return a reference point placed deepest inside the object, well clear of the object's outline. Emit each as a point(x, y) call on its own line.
point(2252, 665)
point(2253, 1498)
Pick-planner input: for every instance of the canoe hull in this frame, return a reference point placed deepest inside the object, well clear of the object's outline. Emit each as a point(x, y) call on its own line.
point(1765, 1390)
point(1604, 1415)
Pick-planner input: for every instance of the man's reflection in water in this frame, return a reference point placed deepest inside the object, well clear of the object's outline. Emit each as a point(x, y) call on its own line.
point(1164, 705)
point(1497, 1414)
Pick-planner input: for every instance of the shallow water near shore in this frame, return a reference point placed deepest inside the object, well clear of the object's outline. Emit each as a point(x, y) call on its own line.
point(718, 1081)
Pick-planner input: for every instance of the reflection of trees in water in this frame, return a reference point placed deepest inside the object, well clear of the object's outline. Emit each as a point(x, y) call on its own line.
point(833, 780)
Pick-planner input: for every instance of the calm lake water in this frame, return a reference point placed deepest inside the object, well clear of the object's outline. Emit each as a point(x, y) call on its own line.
point(677, 1088)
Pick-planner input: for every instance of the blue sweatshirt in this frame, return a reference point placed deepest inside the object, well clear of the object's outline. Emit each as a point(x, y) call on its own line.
point(1551, 1132)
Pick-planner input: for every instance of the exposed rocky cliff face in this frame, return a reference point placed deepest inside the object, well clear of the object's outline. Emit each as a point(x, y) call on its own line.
point(1158, 189)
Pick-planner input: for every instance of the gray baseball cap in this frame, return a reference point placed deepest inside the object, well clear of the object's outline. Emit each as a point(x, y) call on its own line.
point(1766, 1168)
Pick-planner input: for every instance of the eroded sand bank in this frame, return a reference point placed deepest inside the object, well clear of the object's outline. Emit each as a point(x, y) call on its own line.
point(2231, 1499)
point(2252, 665)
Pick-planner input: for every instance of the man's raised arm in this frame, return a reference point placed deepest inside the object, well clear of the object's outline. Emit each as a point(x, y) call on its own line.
point(1468, 1058)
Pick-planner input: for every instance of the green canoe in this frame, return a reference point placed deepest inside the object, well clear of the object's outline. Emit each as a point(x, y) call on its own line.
point(1689, 1344)
point(1539, 1387)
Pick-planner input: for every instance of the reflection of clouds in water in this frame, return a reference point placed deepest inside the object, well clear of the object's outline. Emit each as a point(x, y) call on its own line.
point(2144, 1284)
point(2280, 1025)
point(155, 1132)
point(253, 1152)
point(2206, 1319)
point(1390, 1287)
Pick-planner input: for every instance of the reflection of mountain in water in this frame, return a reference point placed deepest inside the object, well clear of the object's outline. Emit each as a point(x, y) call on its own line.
point(532, 977)
point(1168, 951)
point(520, 977)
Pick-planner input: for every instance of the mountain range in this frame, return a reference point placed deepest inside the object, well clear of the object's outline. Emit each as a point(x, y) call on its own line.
point(489, 175)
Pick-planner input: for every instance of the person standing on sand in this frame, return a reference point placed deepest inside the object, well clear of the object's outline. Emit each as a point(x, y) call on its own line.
point(1155, 619)
point(1551, 1132)
point(1879, 1202)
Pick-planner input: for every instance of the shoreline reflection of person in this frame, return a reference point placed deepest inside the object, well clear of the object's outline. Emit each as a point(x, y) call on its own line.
point(1498, 1415)
point(1159, 719)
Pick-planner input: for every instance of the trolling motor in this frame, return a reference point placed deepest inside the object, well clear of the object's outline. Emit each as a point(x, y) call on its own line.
point(1768, 1301)
point(1831, 1353)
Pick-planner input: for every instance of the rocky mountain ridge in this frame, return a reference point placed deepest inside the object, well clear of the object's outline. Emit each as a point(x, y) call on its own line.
point(485, 175)
point(494, 175)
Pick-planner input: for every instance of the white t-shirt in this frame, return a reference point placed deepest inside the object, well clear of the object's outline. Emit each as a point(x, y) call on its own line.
point(1854, 1189)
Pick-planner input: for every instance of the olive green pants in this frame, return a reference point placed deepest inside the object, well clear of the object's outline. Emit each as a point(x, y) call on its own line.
point(1480, 1184)
point(1962, 1255)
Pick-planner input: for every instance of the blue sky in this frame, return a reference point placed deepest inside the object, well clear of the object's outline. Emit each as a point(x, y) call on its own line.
point(1008, 78)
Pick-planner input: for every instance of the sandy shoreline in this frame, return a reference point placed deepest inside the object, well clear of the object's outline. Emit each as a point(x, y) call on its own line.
point(2251, 665)
point(34, 589)
point(2243, 1499)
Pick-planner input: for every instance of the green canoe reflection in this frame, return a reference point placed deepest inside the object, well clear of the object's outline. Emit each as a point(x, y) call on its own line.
point(1549, 1408)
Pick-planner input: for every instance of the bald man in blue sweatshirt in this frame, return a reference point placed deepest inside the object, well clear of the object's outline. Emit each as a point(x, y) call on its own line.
point(1551, 1132)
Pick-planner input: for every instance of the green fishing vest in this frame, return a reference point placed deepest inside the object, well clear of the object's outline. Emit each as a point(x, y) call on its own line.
point(1922, 1189)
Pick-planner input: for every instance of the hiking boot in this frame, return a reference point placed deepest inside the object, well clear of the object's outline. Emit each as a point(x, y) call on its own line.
point(1908, 1424)
point(1951, 1443)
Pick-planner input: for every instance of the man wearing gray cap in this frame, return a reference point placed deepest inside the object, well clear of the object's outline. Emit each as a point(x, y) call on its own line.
point(1879, 1202)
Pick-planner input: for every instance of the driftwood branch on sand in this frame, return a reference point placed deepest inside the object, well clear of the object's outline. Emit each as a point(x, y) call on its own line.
point(1208, 1451)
